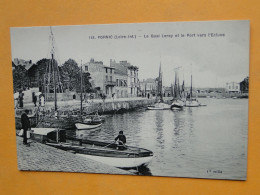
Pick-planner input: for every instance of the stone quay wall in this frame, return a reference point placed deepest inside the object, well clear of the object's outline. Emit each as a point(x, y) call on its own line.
point(107, 107)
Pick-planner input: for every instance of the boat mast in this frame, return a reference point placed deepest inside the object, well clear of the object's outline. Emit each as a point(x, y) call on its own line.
point(191, 84)
point(177, 84)
point(81, 89)
point(160, 83)
point(54, 83)
point(53, 69)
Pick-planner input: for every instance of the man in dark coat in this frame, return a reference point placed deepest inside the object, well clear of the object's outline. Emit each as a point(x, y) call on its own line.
point(34, 97)
point(21, 99)
point(121, 140)
point(25, 126)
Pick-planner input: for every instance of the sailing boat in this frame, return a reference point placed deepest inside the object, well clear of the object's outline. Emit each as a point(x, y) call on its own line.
point(86, 123)
point(160, 105)
point(52, 84)
point(191, 102)
point(177, 104)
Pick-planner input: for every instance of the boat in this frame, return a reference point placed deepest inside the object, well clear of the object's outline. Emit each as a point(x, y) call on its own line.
point(107, 153)
point(52, 85)
point(190, 101)
point(89, 122)
point(177, 103)
point(86, 126)
point(159, 105)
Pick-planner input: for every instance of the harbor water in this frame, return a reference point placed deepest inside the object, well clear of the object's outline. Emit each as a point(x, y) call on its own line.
point(200, 142)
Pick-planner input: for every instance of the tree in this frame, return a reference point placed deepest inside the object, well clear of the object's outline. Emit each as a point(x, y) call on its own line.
point(20, 78)
point(70, 74)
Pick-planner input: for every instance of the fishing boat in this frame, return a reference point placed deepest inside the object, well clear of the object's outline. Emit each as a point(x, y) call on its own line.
point(91, 122)
point(159, 105)
point(51, 87)
point(177, 103)
point(107, 153)
point(190, 101)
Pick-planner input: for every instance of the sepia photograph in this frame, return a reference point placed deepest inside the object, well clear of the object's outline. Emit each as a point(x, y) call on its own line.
point(149, 99)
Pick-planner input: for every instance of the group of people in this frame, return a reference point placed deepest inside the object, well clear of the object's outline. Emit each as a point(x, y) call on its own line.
point(20, 100)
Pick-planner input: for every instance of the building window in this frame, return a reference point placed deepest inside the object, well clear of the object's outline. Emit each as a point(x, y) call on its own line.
point(106, 70)
point(117, 84)
point(110, 78)
point(86, 68)
point(111, 70)
point(106, 78)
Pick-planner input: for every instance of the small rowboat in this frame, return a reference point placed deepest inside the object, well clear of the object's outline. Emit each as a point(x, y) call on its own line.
point(107, 153)
point(86, 126)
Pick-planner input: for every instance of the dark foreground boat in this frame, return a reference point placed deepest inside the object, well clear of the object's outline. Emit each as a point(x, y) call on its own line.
point(107, 153)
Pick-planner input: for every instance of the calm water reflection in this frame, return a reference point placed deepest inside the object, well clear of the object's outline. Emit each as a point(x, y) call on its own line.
point(204, 142)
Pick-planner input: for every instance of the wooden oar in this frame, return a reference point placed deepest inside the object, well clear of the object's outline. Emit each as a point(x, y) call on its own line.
point(108, 144)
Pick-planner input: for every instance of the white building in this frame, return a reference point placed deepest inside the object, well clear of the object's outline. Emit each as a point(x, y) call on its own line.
point(233, 87)
point(102, 76)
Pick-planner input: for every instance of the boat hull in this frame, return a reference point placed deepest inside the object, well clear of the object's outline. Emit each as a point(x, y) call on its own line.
point(107, 153)
point(159, 106)
point(154, 108)
point(84, 126)
point(176, 107)
point(192, 104)
point(120, 162)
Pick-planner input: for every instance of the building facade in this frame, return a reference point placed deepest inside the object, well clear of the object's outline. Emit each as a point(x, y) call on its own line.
point(132, 76)
point(148, 86)
point(102, 77)
point(121, 89)
point(233, 87)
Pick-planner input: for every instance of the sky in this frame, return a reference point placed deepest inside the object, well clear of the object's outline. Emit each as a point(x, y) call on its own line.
point(212, 60)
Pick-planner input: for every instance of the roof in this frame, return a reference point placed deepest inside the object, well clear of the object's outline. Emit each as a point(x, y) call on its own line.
point(43, 131)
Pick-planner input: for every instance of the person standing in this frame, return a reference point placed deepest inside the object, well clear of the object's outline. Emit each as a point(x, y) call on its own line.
point(26, 125)
point(121, 140)
point(21, 99)
point(34, 99)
